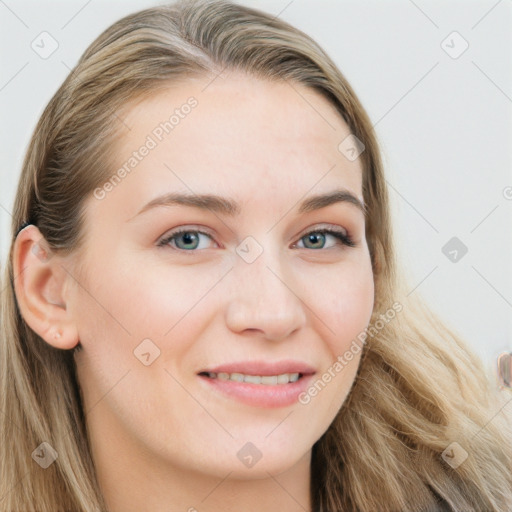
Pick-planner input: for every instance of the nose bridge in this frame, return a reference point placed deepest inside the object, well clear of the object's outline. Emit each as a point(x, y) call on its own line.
point(264, 295)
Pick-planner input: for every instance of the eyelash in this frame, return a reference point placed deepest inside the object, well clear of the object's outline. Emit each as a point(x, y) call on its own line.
point(345, 239)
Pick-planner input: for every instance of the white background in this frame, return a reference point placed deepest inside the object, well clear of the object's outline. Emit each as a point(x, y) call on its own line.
point(444, 125)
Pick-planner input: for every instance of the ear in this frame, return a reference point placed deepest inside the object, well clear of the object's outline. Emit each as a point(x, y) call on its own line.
point(40, 284)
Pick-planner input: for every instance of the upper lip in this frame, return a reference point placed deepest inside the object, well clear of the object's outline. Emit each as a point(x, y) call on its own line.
point(262, 368)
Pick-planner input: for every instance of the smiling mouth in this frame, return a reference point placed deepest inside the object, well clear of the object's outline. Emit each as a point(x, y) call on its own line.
point(266, 380)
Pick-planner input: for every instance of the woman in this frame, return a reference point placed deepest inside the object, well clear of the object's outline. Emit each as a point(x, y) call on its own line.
point(276, 365)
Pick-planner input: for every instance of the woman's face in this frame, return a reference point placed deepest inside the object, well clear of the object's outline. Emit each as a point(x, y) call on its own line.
point(171, 326)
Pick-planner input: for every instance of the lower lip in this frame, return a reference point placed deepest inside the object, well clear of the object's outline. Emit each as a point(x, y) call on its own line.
point(261, 395)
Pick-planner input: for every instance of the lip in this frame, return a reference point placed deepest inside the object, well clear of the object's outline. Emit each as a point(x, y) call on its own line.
point(260, 395)
point(263, 368)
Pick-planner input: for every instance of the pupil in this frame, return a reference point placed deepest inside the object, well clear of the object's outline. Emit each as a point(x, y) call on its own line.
point(314, 238)
point(188, 238)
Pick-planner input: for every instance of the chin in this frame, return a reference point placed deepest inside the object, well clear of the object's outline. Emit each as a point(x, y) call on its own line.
point(257, 461)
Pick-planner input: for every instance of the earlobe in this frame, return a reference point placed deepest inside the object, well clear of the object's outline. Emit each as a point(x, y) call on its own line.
point(39, 284)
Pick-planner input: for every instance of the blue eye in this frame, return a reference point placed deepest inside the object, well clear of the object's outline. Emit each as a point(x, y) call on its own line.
point(190, 237)
point(313, 237)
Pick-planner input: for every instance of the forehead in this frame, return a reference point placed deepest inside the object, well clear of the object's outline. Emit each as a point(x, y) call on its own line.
point(235, 135)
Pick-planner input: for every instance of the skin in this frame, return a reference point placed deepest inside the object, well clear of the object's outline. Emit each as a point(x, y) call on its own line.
point(161, 438)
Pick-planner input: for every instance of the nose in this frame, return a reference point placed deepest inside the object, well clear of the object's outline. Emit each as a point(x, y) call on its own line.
point(265, 298)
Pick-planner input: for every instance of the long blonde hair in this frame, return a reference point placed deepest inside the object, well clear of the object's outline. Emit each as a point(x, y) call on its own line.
point(418, 388)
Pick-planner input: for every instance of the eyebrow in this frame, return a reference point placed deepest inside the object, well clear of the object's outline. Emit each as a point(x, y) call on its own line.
point(229, 207)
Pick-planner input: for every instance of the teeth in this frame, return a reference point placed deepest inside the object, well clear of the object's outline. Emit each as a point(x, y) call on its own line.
point(267, 380)
point(283, 379)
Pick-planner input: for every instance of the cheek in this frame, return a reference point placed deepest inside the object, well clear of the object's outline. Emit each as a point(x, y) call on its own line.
point(120, 306)
point(343, 302)
point(352, 309)
point(133, 299)
point(344, 305)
